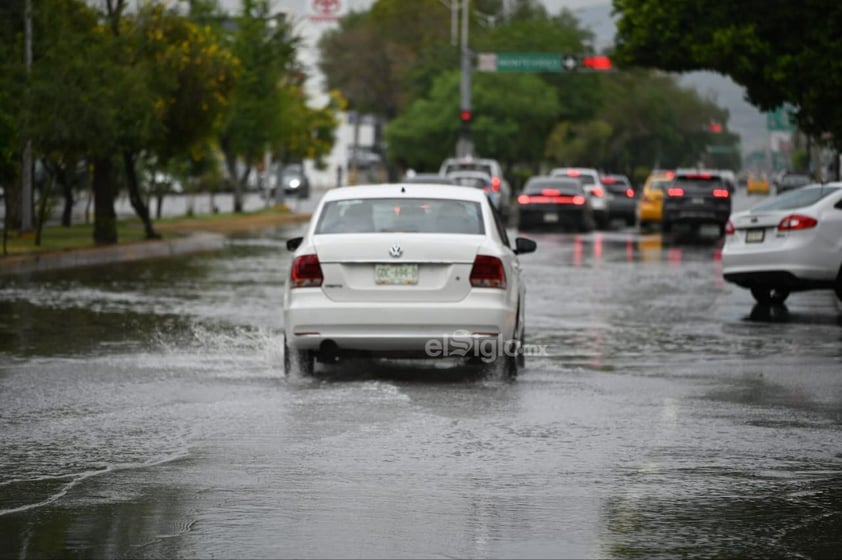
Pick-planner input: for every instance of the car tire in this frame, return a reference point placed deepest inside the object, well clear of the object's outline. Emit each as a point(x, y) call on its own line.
point(586, 225)
point(765, 295)
point(303, 360)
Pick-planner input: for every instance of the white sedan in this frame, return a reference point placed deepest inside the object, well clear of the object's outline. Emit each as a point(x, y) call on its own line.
point(405, 270)
point(789, 243)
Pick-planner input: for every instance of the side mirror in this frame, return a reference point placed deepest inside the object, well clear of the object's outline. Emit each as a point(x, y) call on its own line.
point(294, 243)
point(524, 245)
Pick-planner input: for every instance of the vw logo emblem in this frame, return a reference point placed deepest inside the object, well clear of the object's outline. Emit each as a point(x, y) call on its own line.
point(395, 250)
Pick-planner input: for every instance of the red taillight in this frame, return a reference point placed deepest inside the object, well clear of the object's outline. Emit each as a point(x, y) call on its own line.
point(578, 200)
point(306, 272)
point(550, 192)
point(523, 199)
point(598, 192)
point(721, 193)
point(729, 228)
point(573, 173)
point(488, 272)
point(607, 180)
point(797, 221)
point(630, 193)
point(495, 184)
point(675, 191)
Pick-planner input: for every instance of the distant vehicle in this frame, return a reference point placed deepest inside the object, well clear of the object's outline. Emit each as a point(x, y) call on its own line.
point(791, 181)
point(650, 203)
point(757, 183)
point(622, 202)
point(555, 203)
point(295, 181)
point(497, 191)
point(383, 270)
point(427, 179)
point(593, 186)
point(789, 243)
point(697, 198)
point(487, 165)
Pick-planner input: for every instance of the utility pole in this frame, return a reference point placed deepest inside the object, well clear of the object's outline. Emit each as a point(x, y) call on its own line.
point(26, 171)
point(453, 5)
point(465, 147)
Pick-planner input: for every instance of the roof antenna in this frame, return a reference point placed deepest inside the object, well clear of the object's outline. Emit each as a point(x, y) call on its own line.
point(403, 189)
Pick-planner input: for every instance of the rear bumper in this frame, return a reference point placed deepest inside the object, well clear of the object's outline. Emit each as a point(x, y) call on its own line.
point(775, 279)
point(551, 215)
point(690, 214)
point(798, 257)
point(311, 319)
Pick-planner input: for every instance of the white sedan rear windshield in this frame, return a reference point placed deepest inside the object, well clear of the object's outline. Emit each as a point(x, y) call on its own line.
point(407, 215)
point(796, 199)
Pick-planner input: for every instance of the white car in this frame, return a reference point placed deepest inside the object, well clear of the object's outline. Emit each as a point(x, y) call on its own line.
point(597, 193)
point(789, 243)
point(499, 185)
point(405, 270)
point(498, 192)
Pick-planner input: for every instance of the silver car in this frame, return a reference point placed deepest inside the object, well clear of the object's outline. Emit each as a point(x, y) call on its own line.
point(789, 243)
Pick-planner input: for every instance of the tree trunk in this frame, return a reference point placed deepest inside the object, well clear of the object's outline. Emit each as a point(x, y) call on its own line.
point(67, 193)
point(12, 200)
point(136, 198)
point(105, 218)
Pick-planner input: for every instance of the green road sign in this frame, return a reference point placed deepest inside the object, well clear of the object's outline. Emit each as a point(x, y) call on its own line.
point(779, 120)
point(543, 62)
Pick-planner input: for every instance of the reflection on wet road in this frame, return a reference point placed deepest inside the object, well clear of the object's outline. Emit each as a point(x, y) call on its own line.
point(145, 414)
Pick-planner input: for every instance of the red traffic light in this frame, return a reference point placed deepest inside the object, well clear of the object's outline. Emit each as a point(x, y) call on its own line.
point(715, 127)
point(465, 115)
point(601, 62)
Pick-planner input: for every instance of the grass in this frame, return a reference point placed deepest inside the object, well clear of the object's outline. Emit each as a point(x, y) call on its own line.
point(130, 230)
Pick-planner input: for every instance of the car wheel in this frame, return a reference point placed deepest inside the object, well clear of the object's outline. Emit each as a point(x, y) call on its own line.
point(586, 225)
point(769, 296)
point(304, 360)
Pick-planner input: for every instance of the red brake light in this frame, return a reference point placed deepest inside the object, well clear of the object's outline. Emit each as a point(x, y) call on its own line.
point(797, 221)
point(488, 272)
point(523, 199)
point(495, 184)
point(670, 174)
point(578, 200)
point(729, 228)
point(630, 193)
point(721, 193)
point(550, 192)
point(598, 192)
point(607, 180)
point(675, 191)
point(306, 272)
point(573, 173)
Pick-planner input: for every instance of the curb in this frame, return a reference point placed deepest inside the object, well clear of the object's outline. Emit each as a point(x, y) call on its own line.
point(194, 242)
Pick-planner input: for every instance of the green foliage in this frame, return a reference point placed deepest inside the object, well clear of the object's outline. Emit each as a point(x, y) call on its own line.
point(779, 51)
point(512, 116)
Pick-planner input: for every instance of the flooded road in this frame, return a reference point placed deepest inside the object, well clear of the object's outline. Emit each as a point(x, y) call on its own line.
point(145, 414)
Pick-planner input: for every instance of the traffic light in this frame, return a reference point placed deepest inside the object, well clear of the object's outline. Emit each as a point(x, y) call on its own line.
point(598, 63)
point(465, 116)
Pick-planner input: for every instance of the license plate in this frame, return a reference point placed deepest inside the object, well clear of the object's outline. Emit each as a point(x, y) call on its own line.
point(403, 274)
point(755, 235)
point(550, 217)
point(698, 200)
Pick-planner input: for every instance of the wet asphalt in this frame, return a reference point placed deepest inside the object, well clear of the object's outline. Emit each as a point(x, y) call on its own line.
point(145, 414)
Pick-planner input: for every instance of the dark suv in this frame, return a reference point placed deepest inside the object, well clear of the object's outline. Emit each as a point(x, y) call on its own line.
point(696, 198)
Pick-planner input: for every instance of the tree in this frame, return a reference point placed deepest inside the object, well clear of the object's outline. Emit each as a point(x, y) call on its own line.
point(512, 117)
point(254, 120)
point(778, 50)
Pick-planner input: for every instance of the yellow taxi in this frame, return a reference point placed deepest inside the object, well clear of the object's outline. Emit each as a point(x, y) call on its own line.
point(757, 184)
point(650, 205)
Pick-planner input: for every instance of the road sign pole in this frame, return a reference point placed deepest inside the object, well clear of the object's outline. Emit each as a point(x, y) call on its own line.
point(465, 146)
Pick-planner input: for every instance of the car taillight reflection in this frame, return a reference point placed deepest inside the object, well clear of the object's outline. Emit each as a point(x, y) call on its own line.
point(306, 272)
point(797, 221)
point(488, 272)
point(729, 228)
